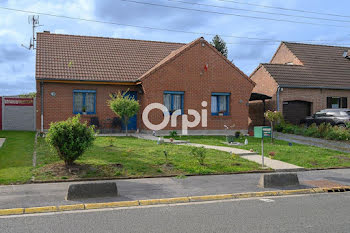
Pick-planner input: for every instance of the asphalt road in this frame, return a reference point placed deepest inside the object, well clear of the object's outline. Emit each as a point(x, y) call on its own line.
point(307, 213)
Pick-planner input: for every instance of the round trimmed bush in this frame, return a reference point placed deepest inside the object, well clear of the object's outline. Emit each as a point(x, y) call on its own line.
point(70, 138)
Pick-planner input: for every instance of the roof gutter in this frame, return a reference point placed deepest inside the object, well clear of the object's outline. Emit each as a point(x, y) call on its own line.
point(314, 87)
point(88, 82)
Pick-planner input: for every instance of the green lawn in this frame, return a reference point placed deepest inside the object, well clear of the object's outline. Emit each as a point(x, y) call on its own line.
point(301, 155)
point(132, 157)
point(16, 157)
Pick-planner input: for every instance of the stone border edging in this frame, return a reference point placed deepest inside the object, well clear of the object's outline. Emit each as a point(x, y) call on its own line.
point(174, 200)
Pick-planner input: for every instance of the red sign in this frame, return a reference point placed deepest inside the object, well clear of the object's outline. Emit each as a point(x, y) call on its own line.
point(18, 101)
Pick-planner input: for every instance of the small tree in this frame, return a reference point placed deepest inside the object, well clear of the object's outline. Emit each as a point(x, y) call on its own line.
point(220, 45)
point(199, 153)
point(70, 138)
point(273, 117)
point(124, 106)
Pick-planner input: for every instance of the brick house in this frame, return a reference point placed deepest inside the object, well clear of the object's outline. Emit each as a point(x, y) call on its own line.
point(302, 79)
point(77, 73)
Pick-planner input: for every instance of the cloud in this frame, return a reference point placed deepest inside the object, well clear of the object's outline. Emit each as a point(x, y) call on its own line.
point(14, 53)
point(153, 16)
point(17, 85)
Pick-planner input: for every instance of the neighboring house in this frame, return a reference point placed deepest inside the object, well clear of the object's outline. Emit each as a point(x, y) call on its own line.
point(74, 73)
point(302, 79)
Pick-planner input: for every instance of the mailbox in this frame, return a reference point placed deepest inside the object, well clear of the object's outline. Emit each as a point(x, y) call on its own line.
point(262, 131)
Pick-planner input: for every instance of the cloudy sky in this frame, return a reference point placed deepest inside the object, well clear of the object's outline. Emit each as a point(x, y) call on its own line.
point(17, 64)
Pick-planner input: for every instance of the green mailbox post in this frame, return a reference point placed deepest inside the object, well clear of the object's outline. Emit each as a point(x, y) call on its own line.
point(262, 132)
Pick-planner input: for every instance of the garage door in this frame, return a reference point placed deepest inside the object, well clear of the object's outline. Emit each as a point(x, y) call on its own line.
point(294, 111)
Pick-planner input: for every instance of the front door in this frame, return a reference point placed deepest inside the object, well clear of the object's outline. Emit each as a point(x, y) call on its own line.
point(132, 124)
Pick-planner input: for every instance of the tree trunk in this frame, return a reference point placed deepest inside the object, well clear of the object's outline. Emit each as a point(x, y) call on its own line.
point(126, 120)
point(68, 163)
point(272, 139)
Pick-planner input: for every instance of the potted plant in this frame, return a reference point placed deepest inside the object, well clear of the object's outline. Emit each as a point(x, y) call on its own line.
point(84, 110)
point(237, 134)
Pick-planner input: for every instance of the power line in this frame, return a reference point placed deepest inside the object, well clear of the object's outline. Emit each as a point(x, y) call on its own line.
point(256, 11)
point(231, 14)
point(262, 40)
point(286, 9)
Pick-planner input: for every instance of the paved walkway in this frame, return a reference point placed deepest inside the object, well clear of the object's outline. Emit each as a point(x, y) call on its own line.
point(29, 195)
point(245, 154)
point(323, 143)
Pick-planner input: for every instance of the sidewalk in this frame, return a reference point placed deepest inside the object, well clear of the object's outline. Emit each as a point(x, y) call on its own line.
point(48, 194)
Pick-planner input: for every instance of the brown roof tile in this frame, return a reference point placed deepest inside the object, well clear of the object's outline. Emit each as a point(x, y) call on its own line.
point(324, 66)
point(68, 57)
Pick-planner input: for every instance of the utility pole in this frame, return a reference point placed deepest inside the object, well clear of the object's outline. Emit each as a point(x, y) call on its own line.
point(34, 21)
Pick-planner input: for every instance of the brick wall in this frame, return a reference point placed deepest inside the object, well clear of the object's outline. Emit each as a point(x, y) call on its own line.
point(60, 106)
point(265, 84)
point(318, 97)
point(186, 73)
point(283, 55)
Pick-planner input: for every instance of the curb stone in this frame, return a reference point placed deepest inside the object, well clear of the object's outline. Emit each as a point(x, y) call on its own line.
point(89, 206)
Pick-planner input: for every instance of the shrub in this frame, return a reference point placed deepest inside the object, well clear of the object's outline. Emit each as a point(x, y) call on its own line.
point(199, 153)
point(338, 133)
point(312, 131)
point(324, 129)
point(173, 134)
point(288, 128)
point(70, 138)
point(299, 130)
point(279, 127)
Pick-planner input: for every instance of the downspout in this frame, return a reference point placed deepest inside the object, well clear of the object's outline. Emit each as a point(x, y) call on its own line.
point(278, 97)
point(42, 107)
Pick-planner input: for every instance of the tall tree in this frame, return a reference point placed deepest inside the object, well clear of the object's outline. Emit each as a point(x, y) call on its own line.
point(124, 106)
point(220, 45)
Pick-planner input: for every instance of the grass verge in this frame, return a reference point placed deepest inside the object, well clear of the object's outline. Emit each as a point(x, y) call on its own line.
point(298, 154)
point(132, 157)
point(16, 157)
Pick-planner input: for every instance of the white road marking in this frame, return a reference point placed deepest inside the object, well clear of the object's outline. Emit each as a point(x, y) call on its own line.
point(266, 200)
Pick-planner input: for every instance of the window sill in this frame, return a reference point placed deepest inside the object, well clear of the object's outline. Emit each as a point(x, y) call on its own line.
point(220, 115)
point(87, 114)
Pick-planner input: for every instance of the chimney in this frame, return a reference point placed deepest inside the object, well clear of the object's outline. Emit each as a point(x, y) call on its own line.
point(47, 32)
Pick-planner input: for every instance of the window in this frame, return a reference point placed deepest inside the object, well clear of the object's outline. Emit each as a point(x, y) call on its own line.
point(174, 100)
point(337, 102)
point(84, 100)
point(220, 103)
